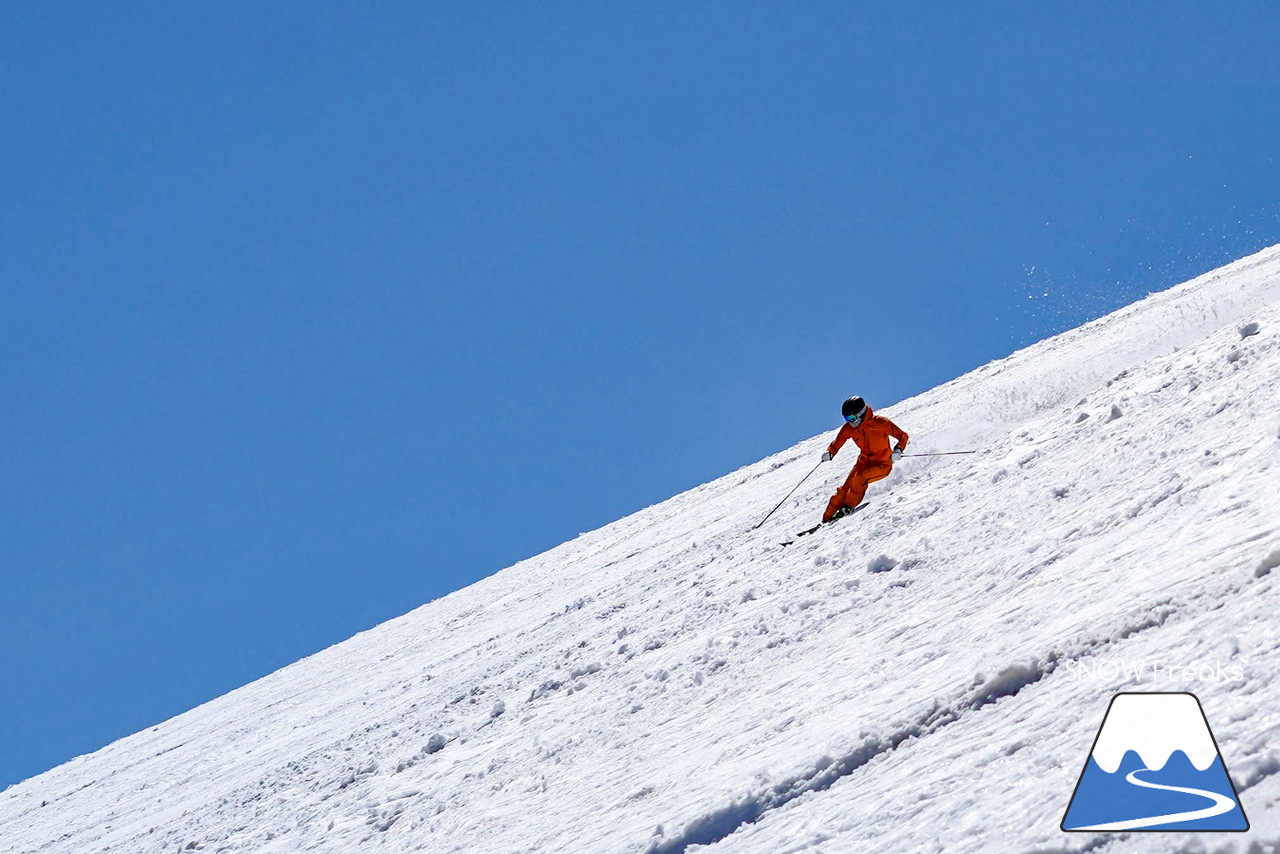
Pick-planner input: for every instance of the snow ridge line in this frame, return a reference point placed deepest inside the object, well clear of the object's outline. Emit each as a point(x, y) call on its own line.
point(719, 824)
point(1097, 843)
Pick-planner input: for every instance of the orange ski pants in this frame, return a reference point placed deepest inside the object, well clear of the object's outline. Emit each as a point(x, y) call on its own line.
point(855, 485)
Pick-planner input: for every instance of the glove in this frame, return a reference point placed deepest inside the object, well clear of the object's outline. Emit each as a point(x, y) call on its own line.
point(896, 455)
point(826, 457)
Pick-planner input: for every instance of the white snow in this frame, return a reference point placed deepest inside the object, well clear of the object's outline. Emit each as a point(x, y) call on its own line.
point(1154, 725)
point(925, 676)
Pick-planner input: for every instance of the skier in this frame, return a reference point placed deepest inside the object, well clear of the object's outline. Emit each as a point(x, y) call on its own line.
point(871, 433)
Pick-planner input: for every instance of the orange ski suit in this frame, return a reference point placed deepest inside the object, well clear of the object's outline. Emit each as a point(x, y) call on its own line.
point(874, 462)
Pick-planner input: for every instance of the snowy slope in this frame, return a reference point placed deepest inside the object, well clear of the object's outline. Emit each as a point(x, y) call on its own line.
point(926, 676)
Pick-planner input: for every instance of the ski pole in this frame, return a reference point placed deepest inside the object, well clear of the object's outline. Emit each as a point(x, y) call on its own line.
point(788, 495)
point(938, 454)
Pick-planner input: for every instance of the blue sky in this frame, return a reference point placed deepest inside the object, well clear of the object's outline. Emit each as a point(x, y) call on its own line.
point(310, 313)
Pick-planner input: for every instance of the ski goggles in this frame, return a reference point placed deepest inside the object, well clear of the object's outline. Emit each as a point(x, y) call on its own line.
point(855, 420)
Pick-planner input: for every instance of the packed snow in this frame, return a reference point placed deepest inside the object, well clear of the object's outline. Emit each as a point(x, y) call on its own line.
point(927, 675)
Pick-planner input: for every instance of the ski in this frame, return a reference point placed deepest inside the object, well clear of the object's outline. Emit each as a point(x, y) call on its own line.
point(807, 531)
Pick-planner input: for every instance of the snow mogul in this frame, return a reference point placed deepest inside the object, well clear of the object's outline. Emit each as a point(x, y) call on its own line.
point(871, 433)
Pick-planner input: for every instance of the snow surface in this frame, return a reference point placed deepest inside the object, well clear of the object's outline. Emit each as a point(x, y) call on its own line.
point(679, 682)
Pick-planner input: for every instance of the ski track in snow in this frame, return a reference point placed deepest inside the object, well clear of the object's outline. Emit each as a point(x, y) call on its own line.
point(907, 680)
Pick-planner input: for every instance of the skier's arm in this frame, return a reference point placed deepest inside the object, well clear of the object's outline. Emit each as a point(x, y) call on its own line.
point(898, 433)
point(839, 440)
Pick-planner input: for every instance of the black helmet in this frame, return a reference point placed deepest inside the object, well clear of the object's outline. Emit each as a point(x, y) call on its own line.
point(853, 410)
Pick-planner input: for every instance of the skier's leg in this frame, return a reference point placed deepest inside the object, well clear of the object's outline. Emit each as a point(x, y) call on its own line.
point(873, 472)
point(854, 488)
point(836, 502)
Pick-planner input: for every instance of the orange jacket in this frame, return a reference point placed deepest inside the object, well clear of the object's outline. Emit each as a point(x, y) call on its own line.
point(871, 437)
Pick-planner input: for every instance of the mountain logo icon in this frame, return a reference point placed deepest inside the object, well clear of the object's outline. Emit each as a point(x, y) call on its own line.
point(1155, 766)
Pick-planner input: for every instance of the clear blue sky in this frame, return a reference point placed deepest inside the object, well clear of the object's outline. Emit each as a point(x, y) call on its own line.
point(311, 313)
